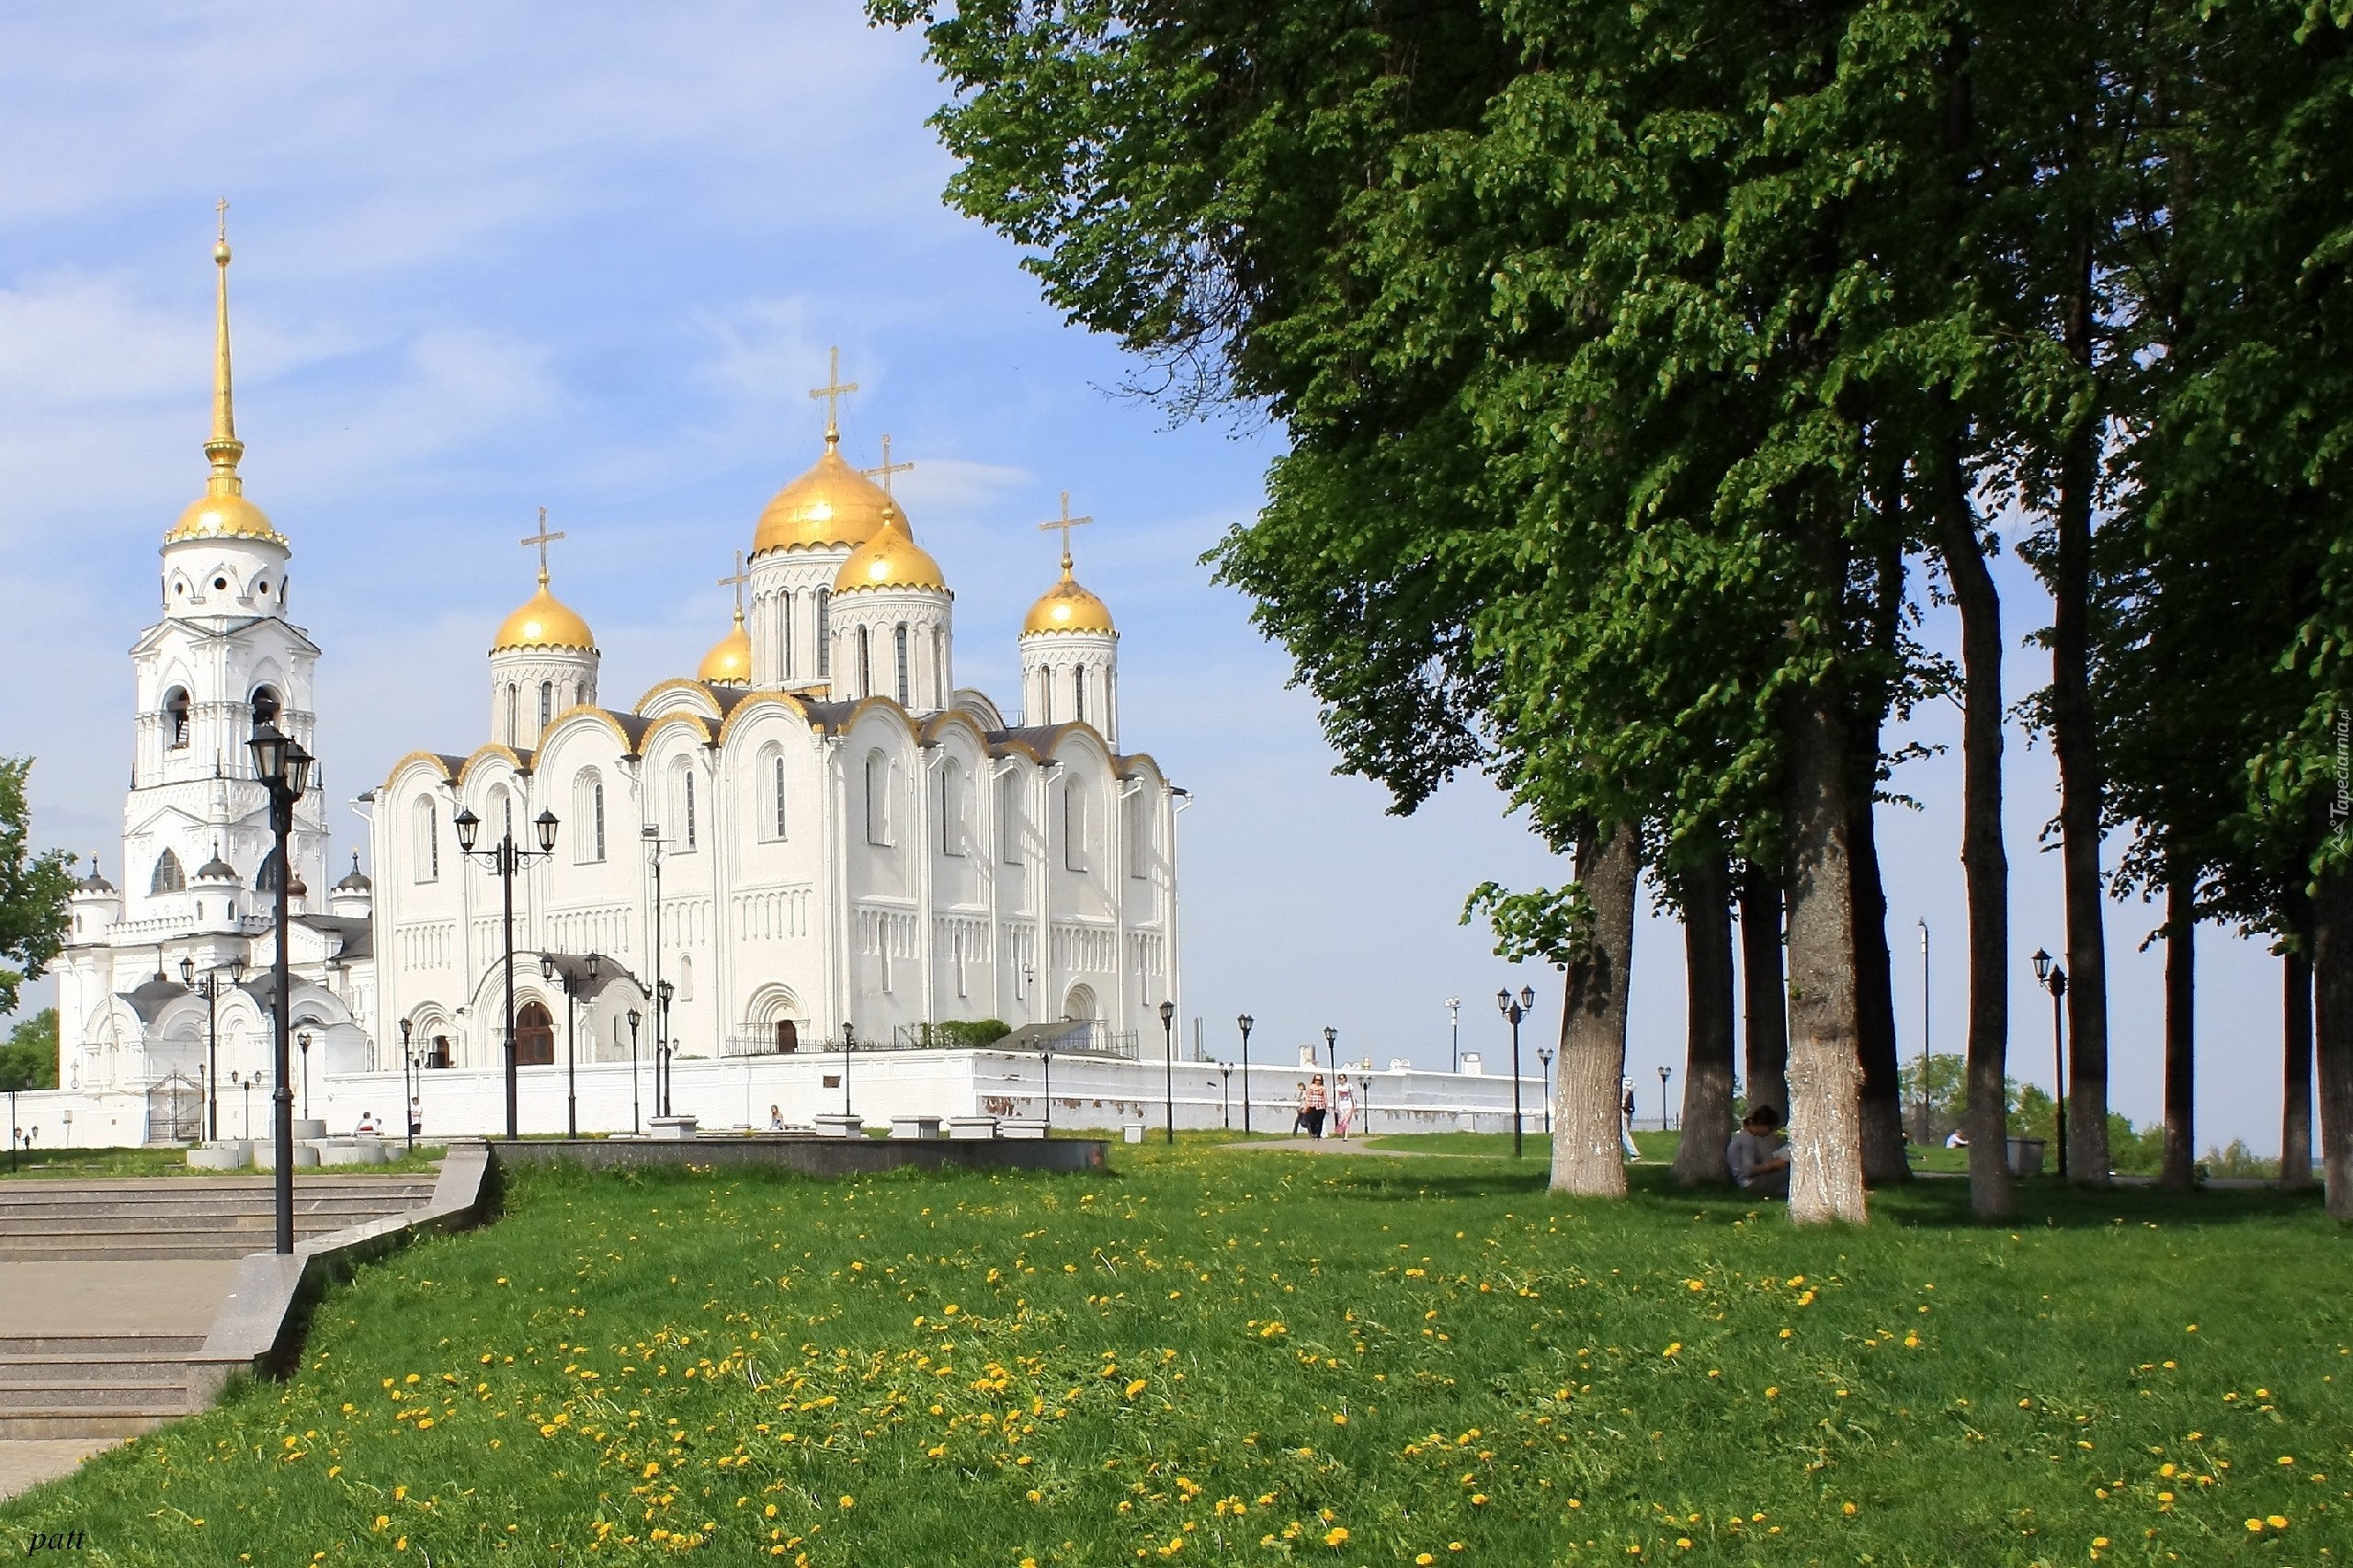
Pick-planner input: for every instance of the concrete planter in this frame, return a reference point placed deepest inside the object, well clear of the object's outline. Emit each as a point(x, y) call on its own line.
point(308, 1131)
point(1134, 1131)
point(2026, 1157)
point(232, 1155)
point(306, 1155)
point(670, 1127)
point(351, 1152)
point(915, 1127)
point(971, 1127)
point(1021, 1130)
point(841, 1126)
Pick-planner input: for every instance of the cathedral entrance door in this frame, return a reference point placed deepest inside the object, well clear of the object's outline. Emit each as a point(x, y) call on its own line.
point(787, 1037)
point(534, 1037)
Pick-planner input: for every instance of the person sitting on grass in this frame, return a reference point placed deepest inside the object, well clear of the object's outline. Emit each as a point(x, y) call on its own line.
point(1758, 1160)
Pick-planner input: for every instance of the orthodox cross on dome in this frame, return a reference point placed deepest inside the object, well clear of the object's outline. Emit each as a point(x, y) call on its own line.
point(888, 468)
point(543, 538)
point(1066, 523)
point(737, 582)
point(831, 393)
point(220, 211)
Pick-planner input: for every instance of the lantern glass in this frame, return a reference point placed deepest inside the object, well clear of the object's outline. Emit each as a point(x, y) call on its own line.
point(268, 747)
point(468, 830)
point(547, 825)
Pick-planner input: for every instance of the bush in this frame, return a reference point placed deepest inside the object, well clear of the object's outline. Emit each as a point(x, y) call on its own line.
point(968, 1033)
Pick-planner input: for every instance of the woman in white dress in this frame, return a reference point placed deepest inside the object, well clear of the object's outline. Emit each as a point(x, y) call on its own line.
point(1344, 1105)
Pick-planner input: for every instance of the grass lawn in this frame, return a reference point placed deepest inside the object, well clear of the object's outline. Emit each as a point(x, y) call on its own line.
point(1265, 1358)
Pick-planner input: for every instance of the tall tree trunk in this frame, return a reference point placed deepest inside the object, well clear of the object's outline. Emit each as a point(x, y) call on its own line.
point(1708, 1031)
point(2075, 740)
point(2333, 1035)
point(1765, 998)
point(2179, 1172)
point(1826, 1123)
point(2296, 1090)
point(1587, 1158)
point(1985, 862)
point(1882, 1102)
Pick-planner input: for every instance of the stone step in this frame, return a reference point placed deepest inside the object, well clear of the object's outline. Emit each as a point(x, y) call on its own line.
point(118, 1423)
point(59, 1396)
point(139, 1365)
point(398, 1195)
point(96, 1347)
point(136, 1249)
point(333, 1215)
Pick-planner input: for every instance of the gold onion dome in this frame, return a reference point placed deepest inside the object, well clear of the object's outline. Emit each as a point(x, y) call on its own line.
point(833, 504)
point(544, 621)
point(729, 663)
point(1066, 607)
point(892, 558)
point(222, 511)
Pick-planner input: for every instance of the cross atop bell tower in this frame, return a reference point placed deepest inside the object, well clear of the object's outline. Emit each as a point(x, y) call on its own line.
point(832, 392)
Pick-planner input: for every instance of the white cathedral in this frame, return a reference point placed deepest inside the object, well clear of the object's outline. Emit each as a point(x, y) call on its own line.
point(817, 837)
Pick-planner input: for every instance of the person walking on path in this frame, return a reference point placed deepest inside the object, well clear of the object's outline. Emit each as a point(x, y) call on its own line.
point(1626, 1119)
point(1344, 1108)
point(1299, 1111)
point(1316, 1101)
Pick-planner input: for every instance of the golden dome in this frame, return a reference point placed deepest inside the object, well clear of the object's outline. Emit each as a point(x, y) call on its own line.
point(833, 504)
point(228, 515)
point(544, 621)
point(892, 558)
point(729, 663)
point(1066, 607)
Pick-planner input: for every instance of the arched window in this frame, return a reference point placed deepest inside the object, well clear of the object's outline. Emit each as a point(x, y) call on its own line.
point(824, 633)
point(176, 717)
point(878, 798)
point(514, 713)
point(169, 877)
point(938, 669)
point(1138, 834)
point(580, 693)
point(428, 840)
point(1008, 817)
point(685, 978)
point(265, 705)
point(769, 781)
point(687, 833)
point(547, 702)
point(785, 660)
point(588, 810)
point(272, 872)
point(865, 664)
point(1078, 692)
point(1045, 694)
point(953, 832)
point(899, 647)
point(1074, 825)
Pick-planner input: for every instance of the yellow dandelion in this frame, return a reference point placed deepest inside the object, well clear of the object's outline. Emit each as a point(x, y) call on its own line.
point(1336, 1536)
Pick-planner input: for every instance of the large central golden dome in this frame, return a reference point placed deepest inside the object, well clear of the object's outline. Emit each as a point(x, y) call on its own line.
point(544, 621)
point(892, 558)
point(833, 505)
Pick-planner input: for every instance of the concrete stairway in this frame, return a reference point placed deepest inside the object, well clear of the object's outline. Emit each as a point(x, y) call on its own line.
point(169, 1217)
point(92, 1385)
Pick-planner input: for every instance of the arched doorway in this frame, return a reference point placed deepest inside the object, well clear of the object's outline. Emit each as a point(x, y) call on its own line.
point(534, 1035)
point(1079, 1003)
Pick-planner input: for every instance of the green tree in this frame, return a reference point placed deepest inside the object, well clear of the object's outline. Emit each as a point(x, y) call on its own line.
point(33, 888)
point(28, 1057)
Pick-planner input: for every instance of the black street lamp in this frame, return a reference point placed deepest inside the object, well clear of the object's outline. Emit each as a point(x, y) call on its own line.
point(505, 858)
point(1544, 1055)
point(283, 768)
point(635, 1018)
point(663, 1049)
point(1454, 1029)
point(1046, 1059)
point(1516, 1009)
point(412, 1084)
point(2052, 978)
point(1332, 1051)
point(578, 975)
point(1243, 1023)
point(1226, 1068)
point(211, 991)
point(303, 1041)
point(849, 1044)
point(1664, 1074)
point(1168, 1064)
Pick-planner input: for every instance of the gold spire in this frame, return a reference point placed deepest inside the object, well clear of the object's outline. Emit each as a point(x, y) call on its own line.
point(223, 511)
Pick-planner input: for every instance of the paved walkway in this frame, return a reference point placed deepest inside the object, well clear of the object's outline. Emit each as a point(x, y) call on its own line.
point(1330, 1146)
point(162, 1296)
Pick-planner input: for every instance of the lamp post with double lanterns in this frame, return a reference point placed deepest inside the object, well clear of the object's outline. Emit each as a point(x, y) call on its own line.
point(1544, 1055)
point(505, 858)
point(302, 1041)
point(1168, 1064)
point(1225, 1070)
point(1516, 1009)
point(412, 1083)
point(578, 975)
point(282, 767)
point(663, 992)
point(635, 1118)
point(211, 991)
point(2052, 978)
point(1243, 1023)
point(849, 1044)
point(1664, 1074)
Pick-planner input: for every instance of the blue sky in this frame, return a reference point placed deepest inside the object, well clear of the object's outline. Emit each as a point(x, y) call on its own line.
point(493, 256)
